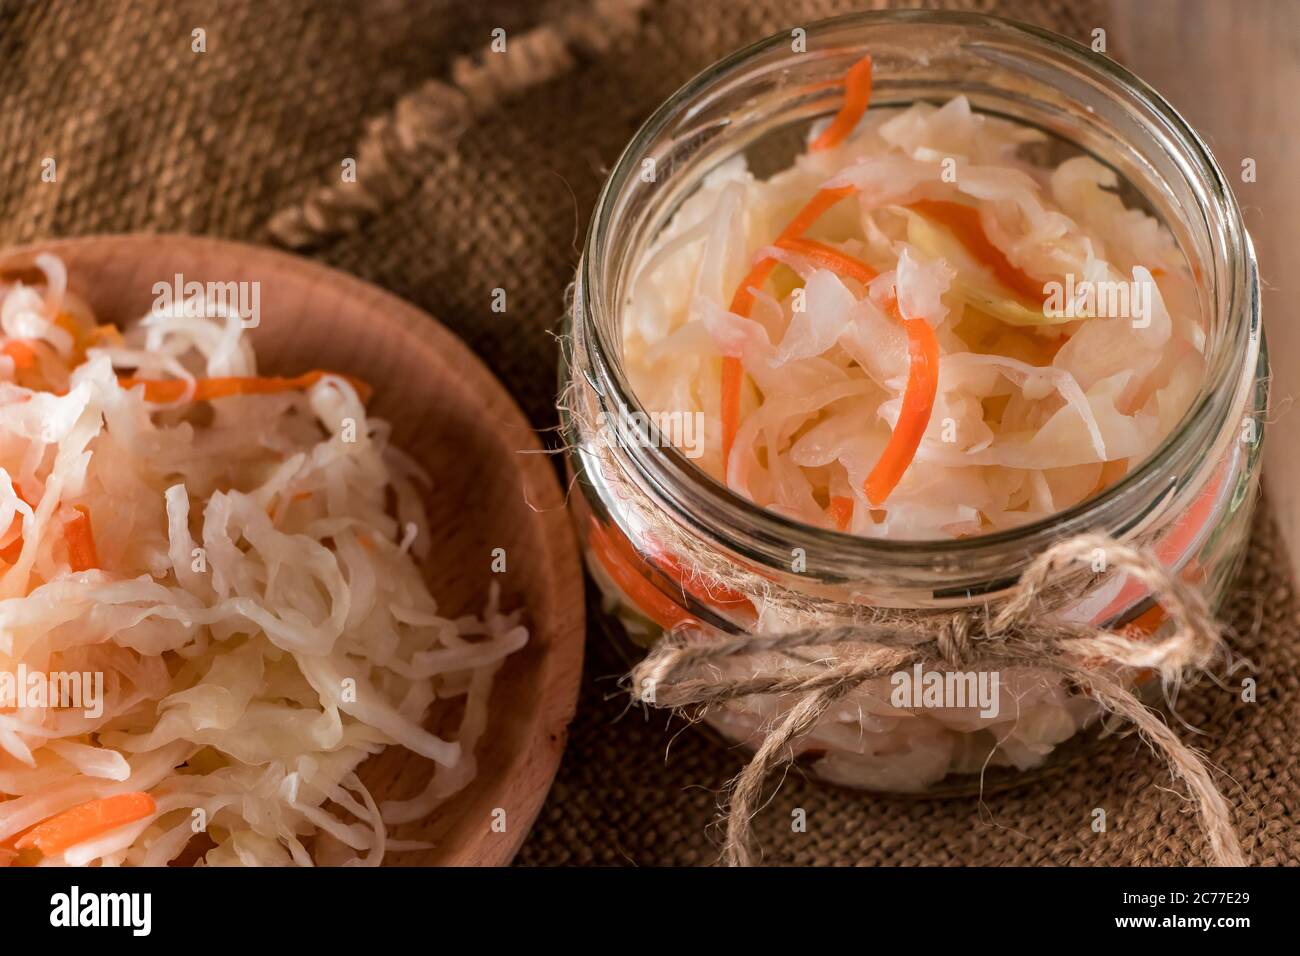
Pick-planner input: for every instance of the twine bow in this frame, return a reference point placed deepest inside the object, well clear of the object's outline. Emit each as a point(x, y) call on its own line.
point(1022, 633)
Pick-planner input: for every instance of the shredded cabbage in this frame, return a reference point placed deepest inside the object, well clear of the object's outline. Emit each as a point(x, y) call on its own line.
point(1046, 393)
point(1037, 408)
point(257, 610)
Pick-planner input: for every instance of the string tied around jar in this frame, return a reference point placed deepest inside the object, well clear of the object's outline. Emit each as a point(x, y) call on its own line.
point(952, 638)
point(689, 669)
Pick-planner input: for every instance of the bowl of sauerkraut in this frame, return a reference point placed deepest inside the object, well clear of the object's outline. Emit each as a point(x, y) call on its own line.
point(276, 585)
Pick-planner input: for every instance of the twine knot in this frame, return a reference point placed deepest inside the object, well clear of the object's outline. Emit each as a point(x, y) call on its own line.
point(953, 638)
point(1028, 630)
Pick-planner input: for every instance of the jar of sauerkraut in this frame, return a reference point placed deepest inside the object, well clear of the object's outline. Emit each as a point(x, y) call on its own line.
point(991, 152)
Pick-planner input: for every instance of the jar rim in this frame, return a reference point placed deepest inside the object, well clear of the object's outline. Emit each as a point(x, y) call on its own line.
point(704, 498)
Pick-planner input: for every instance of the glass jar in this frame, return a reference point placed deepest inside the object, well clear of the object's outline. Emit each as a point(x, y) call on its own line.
point(647, 515)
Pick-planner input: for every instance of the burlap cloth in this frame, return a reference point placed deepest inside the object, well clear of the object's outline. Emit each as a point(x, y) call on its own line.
point(149, 135)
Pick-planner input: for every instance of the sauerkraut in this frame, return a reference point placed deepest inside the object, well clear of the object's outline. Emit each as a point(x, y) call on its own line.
point(912, 332)
point(1063, 327)
point(238, 559)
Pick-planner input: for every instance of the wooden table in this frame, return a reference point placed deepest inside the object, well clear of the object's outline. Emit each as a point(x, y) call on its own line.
point(1232, 68)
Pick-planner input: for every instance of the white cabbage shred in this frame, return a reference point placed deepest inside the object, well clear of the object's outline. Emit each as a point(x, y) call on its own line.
point(258, 612)
point(1034, 412)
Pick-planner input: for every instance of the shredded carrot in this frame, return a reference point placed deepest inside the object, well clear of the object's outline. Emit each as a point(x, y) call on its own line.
point(1146, 623)
point(923, 347)
point(922, 374)
point(733, 375)
point(822, 201)
point(841, 511)
point(68, 324)
point(82, 338)
point(1144, 626)
point(964, 222)
point(743, 300)
point(14, 548)
point(733, 371)
point(80, 538)
point(830, 258)
point(207, 389)
point(704, 590)
point(86, 821)
point(629, 573)
point(914, 417)
point(636, 569)
point(105, 333)
point(23, 355)
point(857, 95)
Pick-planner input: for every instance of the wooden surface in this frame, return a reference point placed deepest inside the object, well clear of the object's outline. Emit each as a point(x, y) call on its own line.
point(1232, 68)
point(450, 414)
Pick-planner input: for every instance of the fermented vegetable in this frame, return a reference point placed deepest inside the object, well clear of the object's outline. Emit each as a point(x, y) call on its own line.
point(235, 560)
point(913, 332)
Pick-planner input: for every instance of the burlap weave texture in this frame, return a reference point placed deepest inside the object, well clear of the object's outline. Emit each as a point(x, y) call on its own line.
point(149, 135)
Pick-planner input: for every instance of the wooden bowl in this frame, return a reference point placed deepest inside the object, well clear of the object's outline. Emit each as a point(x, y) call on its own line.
point(492, 490)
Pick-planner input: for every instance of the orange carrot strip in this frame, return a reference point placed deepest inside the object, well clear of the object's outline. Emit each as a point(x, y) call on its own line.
point(105, 333)
point(743, 300)
point(822, 200)
point(86, 821)
point(1146, 623)
point(23, 355)
point(857, 95)
point(918, 402)
point(733, 374)
point(830, 258)
point(841, 511)
point(655, 561)
point(68, 324)
point(965, 224)
point(733, 370)
point(630, 575)
point(207, 389)
point(922, 373)
point(703, 590)
point(14, 548)
point(80, 538)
